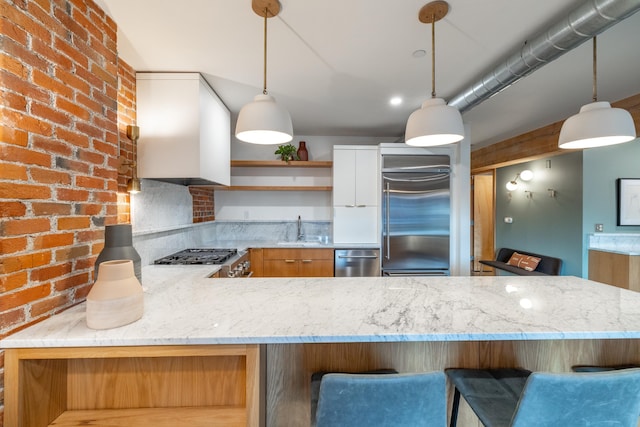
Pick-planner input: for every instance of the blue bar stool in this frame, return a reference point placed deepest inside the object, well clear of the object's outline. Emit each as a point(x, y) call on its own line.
point(392, 400)
point(519, 398)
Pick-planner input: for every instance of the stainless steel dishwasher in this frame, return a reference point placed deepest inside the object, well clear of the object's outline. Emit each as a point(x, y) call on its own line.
point(357, 262)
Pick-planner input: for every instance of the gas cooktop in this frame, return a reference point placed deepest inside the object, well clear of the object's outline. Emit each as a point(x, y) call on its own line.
point(198, 256)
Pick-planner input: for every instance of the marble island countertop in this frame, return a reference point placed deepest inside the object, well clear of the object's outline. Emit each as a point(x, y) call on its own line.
point(184, 306)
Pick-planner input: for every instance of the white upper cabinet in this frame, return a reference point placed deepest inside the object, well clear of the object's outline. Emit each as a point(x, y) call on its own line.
point(185, 130)
point(355, 176)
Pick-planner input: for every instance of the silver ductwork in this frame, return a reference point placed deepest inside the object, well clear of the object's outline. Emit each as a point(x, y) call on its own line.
point(589, 19)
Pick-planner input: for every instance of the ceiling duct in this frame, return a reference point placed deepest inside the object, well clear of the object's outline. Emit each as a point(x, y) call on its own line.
point(580, 25)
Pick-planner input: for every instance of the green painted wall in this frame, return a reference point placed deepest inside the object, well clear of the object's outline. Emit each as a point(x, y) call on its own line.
point(602, 167)
point(543, 224)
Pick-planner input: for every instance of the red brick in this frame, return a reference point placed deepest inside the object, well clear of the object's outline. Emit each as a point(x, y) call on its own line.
point(26, 122)
point(81, 292)
point(23, 87)
point(88, 209)
point(72, 195)
point(54, 56)
point(70, 24)
point(73, 138)
point(71, 52)
point(36, 27)
point(22, 297)
point(73, 223)
point(17, 227)
point(9, 209)
point(13, 101)
point(13, 172)
point(49, 83)
point(23, 155)
point(90, 130)
point(19, 51)
point(40, 209)
point(72, 253)
point(77, 166)
point(104, 196)
point(109, 149)
point(13, 136)
point(12, 245)
point(91, 104)
point(89, 182)
point(10, 190)
point(52, 144)
point(48, 241)
point(9, 282)
point(50, 272)
point(72, 80)
point(105, 173)
point(72, 108)
point(71, 282)
point(11, 30)
point(48, 113)
point(80, 17)
point(108, 102)
point(96, 158)
point(92, 236)
point(50, 176)
point(50, 305)
point(89, 77)
point(12, 318)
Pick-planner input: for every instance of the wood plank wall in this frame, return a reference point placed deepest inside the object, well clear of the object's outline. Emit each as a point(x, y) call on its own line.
point(539, 143)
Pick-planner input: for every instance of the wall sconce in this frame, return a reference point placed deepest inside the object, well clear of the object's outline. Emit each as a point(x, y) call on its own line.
point(133, 185)
point(552, 193)
point(525, 175)
point(529, 194)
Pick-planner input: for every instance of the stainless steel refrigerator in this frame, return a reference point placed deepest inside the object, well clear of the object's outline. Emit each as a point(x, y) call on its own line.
point(415, 215)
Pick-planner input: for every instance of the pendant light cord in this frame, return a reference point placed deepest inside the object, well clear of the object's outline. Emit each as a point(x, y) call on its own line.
point(264, 86)
point(595, 70)
point(433, 56)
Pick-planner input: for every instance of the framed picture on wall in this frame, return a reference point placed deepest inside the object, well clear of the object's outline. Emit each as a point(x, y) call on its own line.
point(628, 201)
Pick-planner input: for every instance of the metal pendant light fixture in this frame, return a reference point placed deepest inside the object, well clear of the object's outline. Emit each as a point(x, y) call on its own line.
point(435, 123)
point(263, 121)
point(597, 124)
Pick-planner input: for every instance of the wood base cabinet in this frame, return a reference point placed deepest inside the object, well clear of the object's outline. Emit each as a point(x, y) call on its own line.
point(297, 262)
point(615, 269)
point(160, 386)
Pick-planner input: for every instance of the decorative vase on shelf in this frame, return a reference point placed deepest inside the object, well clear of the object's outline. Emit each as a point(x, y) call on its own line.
point(116, 298)
point(118, 244)
point(303, 154)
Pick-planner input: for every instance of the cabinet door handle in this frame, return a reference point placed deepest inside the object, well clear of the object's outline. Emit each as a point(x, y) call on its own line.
point(361, 206)
point(349, 206)
point(289, 261)
point(307, 260)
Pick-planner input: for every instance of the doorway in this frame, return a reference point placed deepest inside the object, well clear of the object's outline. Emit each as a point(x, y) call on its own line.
point(482, 221)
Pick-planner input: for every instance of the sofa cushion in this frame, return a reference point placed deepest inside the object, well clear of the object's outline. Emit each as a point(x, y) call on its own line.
point(526, 262)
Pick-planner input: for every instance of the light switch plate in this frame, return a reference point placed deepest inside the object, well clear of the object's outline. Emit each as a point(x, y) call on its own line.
point(599, 228)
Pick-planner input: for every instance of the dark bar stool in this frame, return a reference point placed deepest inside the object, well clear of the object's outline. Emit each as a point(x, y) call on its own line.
point(393, 400)
point(519, 398)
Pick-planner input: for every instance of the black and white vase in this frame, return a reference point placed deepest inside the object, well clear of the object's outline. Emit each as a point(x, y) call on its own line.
point(118, 244)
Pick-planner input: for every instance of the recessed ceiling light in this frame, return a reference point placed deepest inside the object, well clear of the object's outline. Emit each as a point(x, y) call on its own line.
point(396, 100)
point(419, 53)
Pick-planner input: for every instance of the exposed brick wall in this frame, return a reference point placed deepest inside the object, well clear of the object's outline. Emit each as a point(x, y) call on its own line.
point(59, 135)
point(126, 116)
point(203, 204)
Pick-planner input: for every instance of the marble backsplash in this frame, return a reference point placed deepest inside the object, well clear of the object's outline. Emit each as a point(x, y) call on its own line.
point(155, 244)
point(615, 242)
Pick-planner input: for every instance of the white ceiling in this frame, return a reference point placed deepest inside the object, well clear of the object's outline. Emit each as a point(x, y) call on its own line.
point(334, 64)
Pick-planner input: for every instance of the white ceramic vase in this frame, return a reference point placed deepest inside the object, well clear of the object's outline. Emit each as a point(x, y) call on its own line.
point(116, 297)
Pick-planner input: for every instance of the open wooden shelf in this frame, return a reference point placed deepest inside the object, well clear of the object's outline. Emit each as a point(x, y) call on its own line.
point(280, 164)
point(155, 417)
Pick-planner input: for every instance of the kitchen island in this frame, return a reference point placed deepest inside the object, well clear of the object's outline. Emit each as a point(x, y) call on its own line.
point(242, 350)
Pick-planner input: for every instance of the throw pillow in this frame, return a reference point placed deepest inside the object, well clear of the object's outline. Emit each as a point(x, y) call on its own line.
point(526, 262)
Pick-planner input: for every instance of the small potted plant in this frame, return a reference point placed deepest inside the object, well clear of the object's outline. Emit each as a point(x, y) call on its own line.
point(287, 152)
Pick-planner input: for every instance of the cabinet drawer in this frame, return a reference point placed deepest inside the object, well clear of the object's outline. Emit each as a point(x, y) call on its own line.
point(297, 253)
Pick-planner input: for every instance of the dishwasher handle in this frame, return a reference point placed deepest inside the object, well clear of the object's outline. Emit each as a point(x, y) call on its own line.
point(358, 256)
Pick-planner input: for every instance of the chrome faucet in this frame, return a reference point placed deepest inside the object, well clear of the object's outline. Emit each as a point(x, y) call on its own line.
point(300, 235)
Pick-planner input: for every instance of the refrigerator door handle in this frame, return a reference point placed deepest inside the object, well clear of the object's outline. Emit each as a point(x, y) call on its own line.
point(388, 216)
point(425, 179)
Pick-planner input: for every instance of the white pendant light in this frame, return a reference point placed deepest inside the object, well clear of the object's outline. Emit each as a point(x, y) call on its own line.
point(436, 123)
point(597, 124)
point(263, 121)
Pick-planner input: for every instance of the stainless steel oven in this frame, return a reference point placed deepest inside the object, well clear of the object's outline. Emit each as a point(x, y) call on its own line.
point(233, 263)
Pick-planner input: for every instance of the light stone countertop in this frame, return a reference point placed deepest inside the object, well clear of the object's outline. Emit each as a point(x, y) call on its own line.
point(183, 306)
